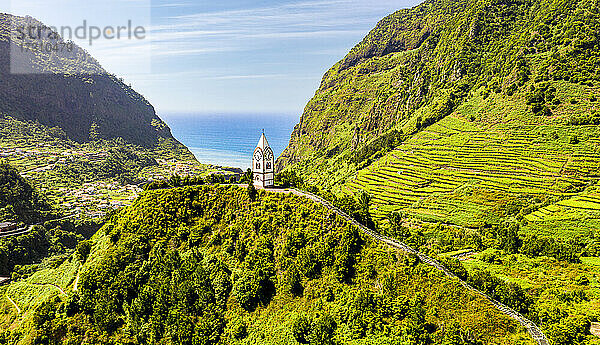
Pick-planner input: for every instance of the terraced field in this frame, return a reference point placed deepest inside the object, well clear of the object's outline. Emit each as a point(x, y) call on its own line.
point(28, 293)
point(457, 170)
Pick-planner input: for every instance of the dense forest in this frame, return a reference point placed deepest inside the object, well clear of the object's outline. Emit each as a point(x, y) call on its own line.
point(19, 201)
point(22, 203)
point(224, 264)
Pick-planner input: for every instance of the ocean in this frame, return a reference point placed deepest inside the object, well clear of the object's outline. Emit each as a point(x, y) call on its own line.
point(229, 140)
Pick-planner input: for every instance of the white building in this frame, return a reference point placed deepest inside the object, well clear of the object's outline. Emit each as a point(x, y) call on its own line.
point(263, 164)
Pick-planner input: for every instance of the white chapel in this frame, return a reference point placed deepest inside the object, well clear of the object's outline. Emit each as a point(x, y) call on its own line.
point(263, 164)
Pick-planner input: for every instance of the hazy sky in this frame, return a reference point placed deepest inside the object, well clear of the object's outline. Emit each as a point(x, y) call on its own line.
point(232, 56)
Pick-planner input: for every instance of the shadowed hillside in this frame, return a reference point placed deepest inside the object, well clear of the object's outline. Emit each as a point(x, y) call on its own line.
point(72, 91)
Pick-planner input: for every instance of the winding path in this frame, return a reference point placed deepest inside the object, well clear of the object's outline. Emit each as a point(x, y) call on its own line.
point(17, 232)
point(531, 327)
point(13, 303)
point(50, 284)
point(77, 279)
point(28, 228)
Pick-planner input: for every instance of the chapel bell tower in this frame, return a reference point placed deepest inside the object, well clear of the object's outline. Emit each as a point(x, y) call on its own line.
point(263, 164)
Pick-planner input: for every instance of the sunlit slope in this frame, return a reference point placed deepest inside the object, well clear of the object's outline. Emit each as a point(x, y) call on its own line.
point(488, 152)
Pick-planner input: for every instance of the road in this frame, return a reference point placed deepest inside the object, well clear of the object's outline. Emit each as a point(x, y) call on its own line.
point(531, 327)
point(28, 228)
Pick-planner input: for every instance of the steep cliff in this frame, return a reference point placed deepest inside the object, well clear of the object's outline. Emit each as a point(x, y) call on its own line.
point(69, 89)
point(419, 65)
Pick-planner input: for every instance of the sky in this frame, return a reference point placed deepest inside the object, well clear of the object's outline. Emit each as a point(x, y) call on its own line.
point(231, 56)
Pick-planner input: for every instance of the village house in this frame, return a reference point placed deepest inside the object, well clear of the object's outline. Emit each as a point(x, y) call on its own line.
point(7, 226)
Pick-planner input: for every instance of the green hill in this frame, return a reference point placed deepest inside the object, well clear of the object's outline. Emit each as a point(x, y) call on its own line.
point(220, 265)
point(70, 90)
point(473, 126)
point(19, 201)
point(45, 241)
point(449, 108)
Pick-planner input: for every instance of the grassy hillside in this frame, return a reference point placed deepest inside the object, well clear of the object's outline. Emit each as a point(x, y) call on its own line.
point(449, 109)
point(486, 152)
point(89, 177)
point(21, 203)
point(219, 265)
point(473, 126)
point(418, 65)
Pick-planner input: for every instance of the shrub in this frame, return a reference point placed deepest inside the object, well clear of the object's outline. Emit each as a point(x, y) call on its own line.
point(246, 290)
point(293, 281)
point(288, 178)
point(322, 329)
point(455, 266)
point(239, 329)
point(83, 250)
point(252, 192)
point(301, 328)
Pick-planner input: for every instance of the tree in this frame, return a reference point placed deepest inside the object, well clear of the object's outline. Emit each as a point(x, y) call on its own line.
point(252, 192)
point(321, 330)
point(455, 266)
point(301, 328)
point(288, 178)
point(364, 202)
point(83, 250)
point(570, 330)
point(293, 281)
point(507, 236)
point(396, 226)
point(247, 177)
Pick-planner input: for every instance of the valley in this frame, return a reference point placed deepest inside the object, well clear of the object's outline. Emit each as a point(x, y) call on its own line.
point(441, 187)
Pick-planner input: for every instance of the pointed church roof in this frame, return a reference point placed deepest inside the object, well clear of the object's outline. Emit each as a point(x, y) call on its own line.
point(262, 142)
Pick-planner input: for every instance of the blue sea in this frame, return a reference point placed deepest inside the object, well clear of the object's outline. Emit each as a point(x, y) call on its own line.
point(229, 140)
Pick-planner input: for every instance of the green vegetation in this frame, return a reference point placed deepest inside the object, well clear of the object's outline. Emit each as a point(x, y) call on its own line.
point(90, 177)
point(123, 165)
point(551, 280)
point(419, 65)
point(20, 255)
point(19, 201)
point(565, 294)
point(450, 109)
point(472, 126)
point(223, 265)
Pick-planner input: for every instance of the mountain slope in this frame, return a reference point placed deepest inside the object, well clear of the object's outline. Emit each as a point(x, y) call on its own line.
point(423, 62)
point(70, 90)
point(219, 265)
point(19, 201)
point(462, 90)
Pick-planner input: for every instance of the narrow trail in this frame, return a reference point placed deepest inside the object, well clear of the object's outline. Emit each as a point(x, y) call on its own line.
point(17, 232)
point(531, 327)
point(13, 303)
point(50, 284)
point(76, 280)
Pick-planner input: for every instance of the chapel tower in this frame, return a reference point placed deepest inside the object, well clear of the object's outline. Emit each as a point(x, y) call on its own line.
point(263, 164)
